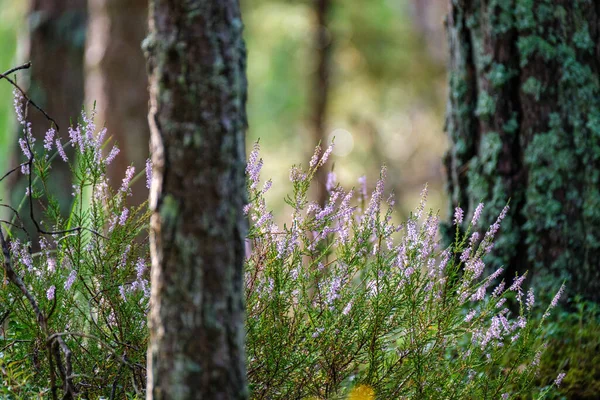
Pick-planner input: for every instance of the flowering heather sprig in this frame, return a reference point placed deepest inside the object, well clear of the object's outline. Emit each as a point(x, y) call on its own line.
point(559, 379)
point(49, 139)
point(458, 216)
point(326, 155)
point(422, 202)
point(76, 138)
point(496, 225)
point(554, 301)
point(129, 172)
point(70, 280)
point(123, 216)
point(19, 106)
point(61, 151)
point(111, 156)
point(331, 180)
point(50, 292)
point(315, 157)
point(530, 301)
point(477, 214)
point(254, 165)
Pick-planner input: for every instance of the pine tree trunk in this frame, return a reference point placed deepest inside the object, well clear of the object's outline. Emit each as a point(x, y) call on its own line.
point(116, 80)
point(524, 123)
point(197, 59)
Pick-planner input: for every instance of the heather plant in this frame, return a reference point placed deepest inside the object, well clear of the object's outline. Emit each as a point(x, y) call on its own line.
point(342, 301)
point(74, 311)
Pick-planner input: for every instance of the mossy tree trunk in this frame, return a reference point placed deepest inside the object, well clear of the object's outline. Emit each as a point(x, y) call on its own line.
point(524, 123)
point(197, 118)
point(116, 80)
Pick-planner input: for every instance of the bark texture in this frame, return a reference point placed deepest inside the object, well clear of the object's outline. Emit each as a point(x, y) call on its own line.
point(116, 80)
point(323, 50)
point(524, 123)
point(197, 59)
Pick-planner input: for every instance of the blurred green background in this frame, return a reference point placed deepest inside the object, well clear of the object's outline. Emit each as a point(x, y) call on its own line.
point(386, 91)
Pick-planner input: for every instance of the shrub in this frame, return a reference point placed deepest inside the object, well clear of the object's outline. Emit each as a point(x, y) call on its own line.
point(341, 300)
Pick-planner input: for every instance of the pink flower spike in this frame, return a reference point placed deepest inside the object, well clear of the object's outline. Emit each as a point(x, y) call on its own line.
point(477, 214)
point(458, 216)
point(61, 151)
point(50, 292)
point(326, 155)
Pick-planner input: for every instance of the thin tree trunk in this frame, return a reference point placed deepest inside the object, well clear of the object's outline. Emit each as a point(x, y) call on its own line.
point(323, 50)
point(197, 117)
point(116, 81)
point(524, 124)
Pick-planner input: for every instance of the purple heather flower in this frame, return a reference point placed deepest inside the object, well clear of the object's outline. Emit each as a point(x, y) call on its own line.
point(554, 301)
point(127, 180)
point(49, 138)
point(111, 156)
point(90, 126)
point(76, 138)
point(334, 290)
point(530, 299)
point(458, 215)
point(559, 378)
point(140, 268)
point(331, 178)
point(470, 315)
point(347, 309)
point(50, 292)
point(326, 155)
point(317, 332)
point(70, 280)
point(315, 158)
point(24, 148)
point(477, 214)
point(516, 286)
point(122, 292)
point(61, 151)
point(422, 203)
point(253, 166)
point(148, 173)
point(51, 265)
point(123, 216)
point(496, 225)
point(19, 107)
point(267, 186)
point(296, 175)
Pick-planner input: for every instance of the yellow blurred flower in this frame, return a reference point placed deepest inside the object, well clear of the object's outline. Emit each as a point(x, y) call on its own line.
point(362, 392)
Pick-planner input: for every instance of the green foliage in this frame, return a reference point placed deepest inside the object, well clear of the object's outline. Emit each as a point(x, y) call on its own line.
point(78, 323)
point(339, 299)
point(573, 338)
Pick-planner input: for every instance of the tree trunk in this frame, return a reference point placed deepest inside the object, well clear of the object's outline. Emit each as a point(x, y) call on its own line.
point(323, 51)
point(524, 123)
point(197, 59)
point(116, 80)
point(55, 46)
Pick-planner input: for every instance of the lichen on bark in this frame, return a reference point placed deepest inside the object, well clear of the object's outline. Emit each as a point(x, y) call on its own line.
point(523, 113)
